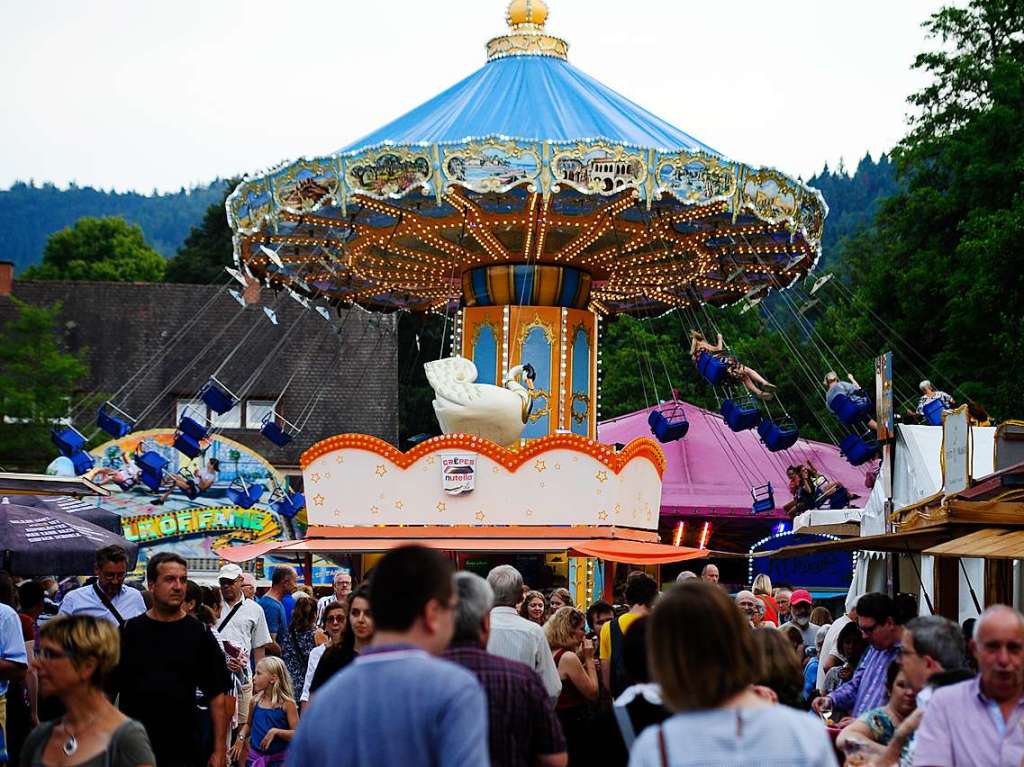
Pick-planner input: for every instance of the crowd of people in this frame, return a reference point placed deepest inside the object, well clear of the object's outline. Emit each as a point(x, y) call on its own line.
point(423, 665)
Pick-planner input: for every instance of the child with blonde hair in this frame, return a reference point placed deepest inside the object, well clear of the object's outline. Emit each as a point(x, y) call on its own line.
point(273, 717)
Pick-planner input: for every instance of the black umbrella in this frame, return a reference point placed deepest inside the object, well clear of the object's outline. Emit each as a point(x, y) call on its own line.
point(86, 510)
point(37, 540)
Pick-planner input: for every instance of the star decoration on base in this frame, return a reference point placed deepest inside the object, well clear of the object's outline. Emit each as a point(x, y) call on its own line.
point(339, 459)
point(381, 470)
point(539, 465)
point(399, 505)
point(375, 509)
point(315, 476)
point(318, 500)
point(480, 516)
point(618, 508)
point(441, 506)
point(602, 515)
point(601, 476)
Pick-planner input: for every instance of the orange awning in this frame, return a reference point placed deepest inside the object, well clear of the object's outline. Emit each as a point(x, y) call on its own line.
point(637, 552)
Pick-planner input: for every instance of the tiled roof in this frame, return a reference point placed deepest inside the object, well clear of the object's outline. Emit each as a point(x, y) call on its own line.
point(122, 328)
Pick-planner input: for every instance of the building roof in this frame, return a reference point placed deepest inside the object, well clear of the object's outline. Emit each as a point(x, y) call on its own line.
point(711, 471)
point(121, 328)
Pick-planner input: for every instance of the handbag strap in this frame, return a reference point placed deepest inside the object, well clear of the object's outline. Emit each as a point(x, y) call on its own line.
point(662, 750)
point(230, 615)
point(109, 605)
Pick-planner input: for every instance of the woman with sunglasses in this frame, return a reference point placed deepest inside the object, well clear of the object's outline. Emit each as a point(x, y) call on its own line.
point(75, 654)
point(574, 657)
point(335, 616)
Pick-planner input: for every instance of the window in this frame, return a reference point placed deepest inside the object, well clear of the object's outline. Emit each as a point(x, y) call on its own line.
point(193, 408)
point(256, 410)
point(230, 420)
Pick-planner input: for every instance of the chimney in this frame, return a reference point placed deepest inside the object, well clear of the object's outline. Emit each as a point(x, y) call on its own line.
point(6, 277)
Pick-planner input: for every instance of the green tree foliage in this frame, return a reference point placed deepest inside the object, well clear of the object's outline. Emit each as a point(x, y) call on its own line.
point(207, 249)
point(29, 213)
point(107, 249)
point(942, 266)
point(37, 379)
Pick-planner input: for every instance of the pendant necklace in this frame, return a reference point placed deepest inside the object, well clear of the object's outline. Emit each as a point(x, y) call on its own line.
point(71, 744)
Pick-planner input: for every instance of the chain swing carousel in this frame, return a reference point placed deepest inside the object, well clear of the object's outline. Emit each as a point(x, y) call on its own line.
point(525, 203)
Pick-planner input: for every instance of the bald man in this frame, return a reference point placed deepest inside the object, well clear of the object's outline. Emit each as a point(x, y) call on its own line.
point(709, 574)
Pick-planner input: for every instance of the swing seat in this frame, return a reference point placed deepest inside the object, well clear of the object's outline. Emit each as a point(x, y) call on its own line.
point(217, 397)
point(764, 498)
point(850, 411)
point(68, 440)
point(244, 495)
point(187, 445)
point(82, 461)
point(778, 436)
point(192, 428)
point(152, 465)
point(857, 450)
point(287, 505)
point(933, 412)
point(668, 422)
point(116, 426)
point(712, 368)
point(840, 499)
point(741, 415)
point(272, 430)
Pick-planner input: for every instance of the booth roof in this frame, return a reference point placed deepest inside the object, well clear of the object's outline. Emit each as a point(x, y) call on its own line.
point(710, 471)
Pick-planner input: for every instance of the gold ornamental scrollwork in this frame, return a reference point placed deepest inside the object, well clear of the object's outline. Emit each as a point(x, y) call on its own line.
point(250, 205)
point(599, 168)
point(478, 328)
point(492, 166)
point(538, 413)
point(545, 327)
point(578, 396)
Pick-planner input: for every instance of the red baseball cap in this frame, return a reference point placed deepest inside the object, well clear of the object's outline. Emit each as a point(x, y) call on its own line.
point(800, 596)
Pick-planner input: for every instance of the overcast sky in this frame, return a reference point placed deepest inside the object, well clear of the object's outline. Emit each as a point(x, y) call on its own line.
point(140, 94)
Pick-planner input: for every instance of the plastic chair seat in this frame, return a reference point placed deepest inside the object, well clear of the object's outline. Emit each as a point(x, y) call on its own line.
point(840, 499)
point(712, 368)
point(217, 398)
point(850, 410)
point(778, 436)
point(187, 445)
point(740, 416)
point(856, 450)
point(668, 423)
point(82, 461)
point(933, 412)
point(152, 462)
point(113, 425)
point(192, 428)
point(152, 480)
point(287, 505)
point(272, 431)
point(764, 498)
point(68, 440)
point(245, 496)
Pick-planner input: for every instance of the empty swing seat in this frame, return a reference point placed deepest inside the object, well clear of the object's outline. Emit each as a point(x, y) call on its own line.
point(712, 368)
point(741, 415)
point(273, 431)
point(152, 465)
point(116, 426)
point(188, 439)
point(668, 422)
point(850, 410)
point(857, 450)
point(82, 461)
point(778, 436)
point(217, 397)
point(933, 412)
point(287, 505)
point(68, 440)
point(245, 495)
point(764, 498)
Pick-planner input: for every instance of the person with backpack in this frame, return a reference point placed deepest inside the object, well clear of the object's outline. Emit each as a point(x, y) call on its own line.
point(641, 591)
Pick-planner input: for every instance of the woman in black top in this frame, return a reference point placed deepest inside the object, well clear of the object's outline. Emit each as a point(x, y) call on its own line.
point(358, 634)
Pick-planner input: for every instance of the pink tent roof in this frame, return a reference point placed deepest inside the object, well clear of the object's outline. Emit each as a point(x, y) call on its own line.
point(711, 470)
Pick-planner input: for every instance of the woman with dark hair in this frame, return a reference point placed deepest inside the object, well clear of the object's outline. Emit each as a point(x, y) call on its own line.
point(76, 653)
point(779, 667)
point(357, 635)
point(299, 640)
point(335, 618)
point(850, 645)
point(879, 724)
point(702, 652)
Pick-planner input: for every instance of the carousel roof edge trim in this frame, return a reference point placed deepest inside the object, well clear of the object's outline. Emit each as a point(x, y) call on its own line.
point(643, 447)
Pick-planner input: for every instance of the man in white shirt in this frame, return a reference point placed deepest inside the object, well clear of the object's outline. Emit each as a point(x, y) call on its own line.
point(108, 598)
point(243, 624)
point(342, 588)
point(514, 637)
point(13, 657)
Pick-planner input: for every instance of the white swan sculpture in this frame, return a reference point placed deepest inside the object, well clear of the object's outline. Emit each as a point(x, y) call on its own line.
point(482, 410)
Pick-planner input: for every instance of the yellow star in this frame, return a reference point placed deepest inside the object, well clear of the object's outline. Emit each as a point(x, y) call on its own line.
point(441, 506)
point(602, 515)
point(318, 499)
point(375, 509)
point(558, 467)
point(327, 475)
point(381, 470)
point(431, 459)
point(529, 512)
point(316, 476)
point(601, 476)
point(618, 508)
point(339, 458)
point(539, 464)
point(399, 505)
point(480, 516)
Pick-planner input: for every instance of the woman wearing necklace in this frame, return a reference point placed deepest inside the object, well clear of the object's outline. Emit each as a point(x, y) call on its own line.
point(75, 654)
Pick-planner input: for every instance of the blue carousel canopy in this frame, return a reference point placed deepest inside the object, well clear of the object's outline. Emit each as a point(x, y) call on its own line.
point(528, 162)
point(531, 97)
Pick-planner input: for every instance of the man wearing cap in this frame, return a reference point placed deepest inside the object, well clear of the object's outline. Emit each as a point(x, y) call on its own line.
point(243, 624)
point(800, 606)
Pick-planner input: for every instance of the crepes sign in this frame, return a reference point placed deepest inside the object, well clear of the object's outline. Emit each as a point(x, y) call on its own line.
point(458, 473)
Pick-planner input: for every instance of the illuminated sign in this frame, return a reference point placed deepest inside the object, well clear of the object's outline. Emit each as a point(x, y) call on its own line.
point(246, 524)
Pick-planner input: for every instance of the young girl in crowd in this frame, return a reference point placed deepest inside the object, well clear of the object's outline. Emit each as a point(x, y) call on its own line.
point(273, 717)
point(534, 608)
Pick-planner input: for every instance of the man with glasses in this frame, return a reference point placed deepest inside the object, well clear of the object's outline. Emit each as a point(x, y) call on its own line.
point(876, 617)
point(980, 721)
point(244, 626)
point(108, 598)
point(342, 588)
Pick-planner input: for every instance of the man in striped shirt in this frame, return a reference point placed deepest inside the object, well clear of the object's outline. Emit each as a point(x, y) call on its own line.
point(876, 617)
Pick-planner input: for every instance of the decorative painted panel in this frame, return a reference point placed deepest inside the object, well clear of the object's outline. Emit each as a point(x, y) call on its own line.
point(485, 353)
point(492, 166)
point(696, 178)
point(305, 186)
point(389, 173)
point(579, 408)
point(598, 168)
point(536, 349)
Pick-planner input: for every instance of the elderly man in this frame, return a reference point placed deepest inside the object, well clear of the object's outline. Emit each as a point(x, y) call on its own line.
point(514, 637)
point(876, 617)
point(523, 730)
point(980, 721)
point(781, 595)
point(800, 606)
point(243, 625)
point(686, 575)
point(108, 598)
point(342, 588)
point(747, 602)
point(709, 573)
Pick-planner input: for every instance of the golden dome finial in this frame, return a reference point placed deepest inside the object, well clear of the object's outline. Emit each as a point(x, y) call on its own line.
point(526, 19)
